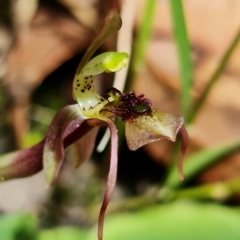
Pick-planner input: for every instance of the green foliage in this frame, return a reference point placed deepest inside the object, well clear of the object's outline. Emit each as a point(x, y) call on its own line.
point(63, 233)
point(201, 160)
point(23, 226)
point(143, 35)
point(18, 226)
point(184, 54)
point(174, 221)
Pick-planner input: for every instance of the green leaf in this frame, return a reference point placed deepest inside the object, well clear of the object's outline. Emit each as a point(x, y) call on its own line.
point(176, 221)
point(144, 35)
point(63, 233)
point(215, 76)
point(219, 191)
point(18, 226)
point(184, 54)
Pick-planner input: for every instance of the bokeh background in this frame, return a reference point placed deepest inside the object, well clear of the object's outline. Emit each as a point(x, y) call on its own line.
point(41, 44)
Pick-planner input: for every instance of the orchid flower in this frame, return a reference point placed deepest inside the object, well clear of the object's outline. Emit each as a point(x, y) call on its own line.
point(76, 122)
point(80, 122)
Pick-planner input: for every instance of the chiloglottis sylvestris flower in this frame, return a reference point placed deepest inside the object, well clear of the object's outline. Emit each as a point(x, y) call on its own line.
point(80, 123)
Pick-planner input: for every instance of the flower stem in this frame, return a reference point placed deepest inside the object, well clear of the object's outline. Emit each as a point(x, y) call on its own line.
point(184, 54)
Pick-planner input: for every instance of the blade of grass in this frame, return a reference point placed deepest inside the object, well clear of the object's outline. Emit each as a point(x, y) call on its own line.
point(143, 36)
point(216, 191)
point(197, 162)
point(184, 54)
point(213, 79)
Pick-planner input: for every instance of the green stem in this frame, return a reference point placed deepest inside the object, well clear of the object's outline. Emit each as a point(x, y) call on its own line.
point(184, 54)
point(142, 39)
point(216, 191)
point(213, 79)
point(219, 191)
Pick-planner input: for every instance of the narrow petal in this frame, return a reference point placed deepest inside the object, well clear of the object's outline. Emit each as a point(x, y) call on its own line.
point(112, 176)
point(62, 132)
point(152, 127)
point(64, 124)
point(21, 163)
point(184, 145)
point(84, 147)
point(29, 161)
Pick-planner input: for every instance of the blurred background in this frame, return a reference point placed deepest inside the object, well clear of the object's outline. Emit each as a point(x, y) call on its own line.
point(186, 59)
